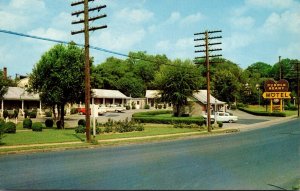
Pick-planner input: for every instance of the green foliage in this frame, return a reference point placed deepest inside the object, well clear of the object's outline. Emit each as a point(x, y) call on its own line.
point(49, 123)
point(153, 117)
point(26, 113)
point(220, 124)
point(37, 126)
point(58, 76)
point(80, 129)
point(27, 123)
point(147, 106)
point(177, 81)
point(10, 127)
point(74, 110)
point(16, 113)
point(122, 126)
point(32, 114)
point(48, 114)
point(81, 122)
point(5, 114)
point(2, 130)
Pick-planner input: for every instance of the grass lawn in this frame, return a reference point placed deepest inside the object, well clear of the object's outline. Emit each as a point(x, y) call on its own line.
point(263, 108)
point(68, 135)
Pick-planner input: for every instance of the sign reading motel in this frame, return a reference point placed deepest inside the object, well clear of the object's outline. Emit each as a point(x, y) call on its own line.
point(276, 95)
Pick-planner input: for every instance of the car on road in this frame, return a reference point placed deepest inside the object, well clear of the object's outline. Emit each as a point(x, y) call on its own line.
point(222, 116)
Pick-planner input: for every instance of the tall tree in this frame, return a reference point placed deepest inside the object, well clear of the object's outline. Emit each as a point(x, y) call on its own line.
point(177, 81)
point(58, 76)
point(261, 68)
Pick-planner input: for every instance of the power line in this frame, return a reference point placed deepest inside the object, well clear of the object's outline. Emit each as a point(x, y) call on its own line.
point(82, 45)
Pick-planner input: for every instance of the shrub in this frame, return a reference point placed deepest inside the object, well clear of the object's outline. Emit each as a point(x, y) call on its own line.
point(80, 129)
point(48, 114)
point(10, 127)
point(49, 123)
point(165, 106)
point(26, 113)
point(5, 114)
point(292, 107)
point(37, 126)
point(220, 123)
point(74, 110)
point(147, 106)
point(32, 114)
point(2, 122)
point(16, 113)
point(98, 130)
point(159, 106)
point(127, 107)
point(139, 127)
point(27, 123)
point(58, 124)
point(81, 122)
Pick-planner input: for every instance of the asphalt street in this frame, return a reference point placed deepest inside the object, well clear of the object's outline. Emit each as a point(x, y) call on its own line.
point(266, 158)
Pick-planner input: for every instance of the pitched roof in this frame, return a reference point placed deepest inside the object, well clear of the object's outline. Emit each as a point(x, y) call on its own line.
point(103, 93)
point(17, 93)
point(201, 96)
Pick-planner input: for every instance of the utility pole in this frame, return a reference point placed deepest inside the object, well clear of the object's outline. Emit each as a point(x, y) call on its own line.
point(86, 30)
point(279, 67)
point(207, 45)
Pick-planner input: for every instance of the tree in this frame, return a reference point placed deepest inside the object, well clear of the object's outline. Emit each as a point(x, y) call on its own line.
point(261, 68)
point(177, 81)
point(58, 77)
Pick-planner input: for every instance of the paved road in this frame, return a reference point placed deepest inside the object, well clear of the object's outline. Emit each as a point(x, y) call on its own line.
point(254, 159)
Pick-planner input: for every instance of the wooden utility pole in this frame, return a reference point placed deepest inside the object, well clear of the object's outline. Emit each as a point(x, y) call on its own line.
point(280, 68)
point(207, 56)
point(87, 54)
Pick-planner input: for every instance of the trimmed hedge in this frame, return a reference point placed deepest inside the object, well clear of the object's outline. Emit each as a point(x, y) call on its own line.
point(27, 123)
point(263, 113)
point(10, 127)
point(49, 123)
point(37, 126)
point(150, 117)
point(81, 122)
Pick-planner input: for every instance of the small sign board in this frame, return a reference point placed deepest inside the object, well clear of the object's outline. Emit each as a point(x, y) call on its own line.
point(276, 95)
point(279, 86)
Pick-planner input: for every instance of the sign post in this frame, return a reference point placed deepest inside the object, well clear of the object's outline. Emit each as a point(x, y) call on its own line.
point(276, 90)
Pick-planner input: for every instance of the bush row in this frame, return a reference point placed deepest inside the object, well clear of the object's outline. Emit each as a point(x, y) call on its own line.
point(112, 126)
point(38, 126)
point(263, 113)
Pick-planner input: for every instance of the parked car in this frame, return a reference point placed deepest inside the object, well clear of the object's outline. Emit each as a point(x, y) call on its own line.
point(81, 111)
point(117, 108)
point(223, 117)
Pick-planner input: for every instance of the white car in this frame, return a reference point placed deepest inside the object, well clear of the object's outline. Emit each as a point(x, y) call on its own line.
point(116, 108)
point(223, 117)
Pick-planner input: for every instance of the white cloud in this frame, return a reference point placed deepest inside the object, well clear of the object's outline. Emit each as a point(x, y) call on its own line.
point(290, 51)
point(237, 40)
point(28, 4)
point(278, 4)
point(164, 45)
point(243, 22)
point(190, 19)
point(119, 42)
point(287, 21)
point(175, 16)
point(134, 15)
point(184, 43)
point(12, 21)
point(49, 33)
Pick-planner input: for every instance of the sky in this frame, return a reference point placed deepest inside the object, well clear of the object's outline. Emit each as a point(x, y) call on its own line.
point(252, 30)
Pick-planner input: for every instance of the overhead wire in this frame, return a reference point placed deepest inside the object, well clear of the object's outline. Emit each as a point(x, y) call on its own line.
point(82, 45)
